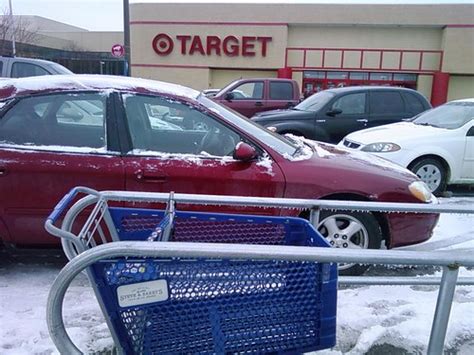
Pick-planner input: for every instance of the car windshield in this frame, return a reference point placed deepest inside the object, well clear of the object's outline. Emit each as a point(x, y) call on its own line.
point(315, 102)
point(273, 140)
point(450, 116)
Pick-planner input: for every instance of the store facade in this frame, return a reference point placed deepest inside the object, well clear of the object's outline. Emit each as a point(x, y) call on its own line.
point(426, 47)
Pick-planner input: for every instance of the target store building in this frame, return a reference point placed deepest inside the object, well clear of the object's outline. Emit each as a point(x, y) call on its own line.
point(425, 47)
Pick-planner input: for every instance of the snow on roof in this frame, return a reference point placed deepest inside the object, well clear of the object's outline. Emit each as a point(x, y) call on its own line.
point(54, 83)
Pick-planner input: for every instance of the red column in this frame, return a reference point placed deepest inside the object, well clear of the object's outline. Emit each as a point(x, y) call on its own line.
point(439, 90)
point(285, 73)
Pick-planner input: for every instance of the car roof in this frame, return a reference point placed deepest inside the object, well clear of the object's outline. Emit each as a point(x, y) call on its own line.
point(85, 82)
point(367, 87)
point(471, 99)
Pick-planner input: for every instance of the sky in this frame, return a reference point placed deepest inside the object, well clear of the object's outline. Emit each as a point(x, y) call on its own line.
point(107, 15)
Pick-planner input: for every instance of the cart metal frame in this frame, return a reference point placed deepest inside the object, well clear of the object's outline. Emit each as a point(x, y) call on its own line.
point(84, 244)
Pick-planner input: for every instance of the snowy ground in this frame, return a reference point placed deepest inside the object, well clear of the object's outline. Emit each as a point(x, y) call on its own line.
point(371, 319)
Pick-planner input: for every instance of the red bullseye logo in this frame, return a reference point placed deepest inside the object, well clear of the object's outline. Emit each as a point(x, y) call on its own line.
point(162, 44)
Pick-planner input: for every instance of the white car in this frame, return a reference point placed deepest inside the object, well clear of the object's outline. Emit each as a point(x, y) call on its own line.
point(437, 145)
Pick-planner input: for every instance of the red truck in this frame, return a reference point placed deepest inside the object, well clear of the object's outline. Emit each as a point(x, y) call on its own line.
point(249, 96)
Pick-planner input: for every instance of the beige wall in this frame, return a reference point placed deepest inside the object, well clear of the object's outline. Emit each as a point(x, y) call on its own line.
point(460, 87)
point(336, 14)
point(222, 77)
point(142, 36)
point(458, 45)
point(364, 37)
point(424, 85)
point(92, 41)
point(434, 27)
point(195, 78)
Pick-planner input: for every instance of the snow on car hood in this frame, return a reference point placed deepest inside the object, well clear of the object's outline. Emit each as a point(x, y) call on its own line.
point(393, 133)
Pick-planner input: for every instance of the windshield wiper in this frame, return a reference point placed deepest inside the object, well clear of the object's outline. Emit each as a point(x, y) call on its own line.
point(427, 124)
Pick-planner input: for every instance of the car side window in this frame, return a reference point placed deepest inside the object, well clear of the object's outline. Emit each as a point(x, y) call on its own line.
point(162, 125)
point(21, 70)
point(56, 121)
point(250, 90)
point(281, 91)
point(351, 104)
point(386, 102)
point(414, 104)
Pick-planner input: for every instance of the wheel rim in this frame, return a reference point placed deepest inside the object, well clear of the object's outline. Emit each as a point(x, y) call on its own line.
point(344, 231)
point(431, 175)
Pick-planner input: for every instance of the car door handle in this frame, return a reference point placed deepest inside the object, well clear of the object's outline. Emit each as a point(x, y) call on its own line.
point(258, 103)
point(3, 171)
point(320, 121)
point(147, 176)
point(363, 120)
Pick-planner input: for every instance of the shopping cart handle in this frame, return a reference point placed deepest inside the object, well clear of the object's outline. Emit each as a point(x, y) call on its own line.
point(66, 200)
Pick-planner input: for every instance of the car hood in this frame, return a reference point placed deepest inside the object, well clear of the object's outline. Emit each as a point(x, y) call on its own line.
point(274, 115)
point(332, 169)
point(394, 133)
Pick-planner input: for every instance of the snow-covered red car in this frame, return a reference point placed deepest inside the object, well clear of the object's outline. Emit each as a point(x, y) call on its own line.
point(438, 145)
point(100, 131)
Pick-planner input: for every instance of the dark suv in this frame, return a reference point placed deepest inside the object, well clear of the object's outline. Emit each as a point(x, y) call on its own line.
point(331, 114)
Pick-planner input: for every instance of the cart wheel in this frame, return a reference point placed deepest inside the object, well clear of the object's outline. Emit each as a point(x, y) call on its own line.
point(351, 230)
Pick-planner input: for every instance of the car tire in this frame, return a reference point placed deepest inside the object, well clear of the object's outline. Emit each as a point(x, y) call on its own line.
point(432, 173)
point(364, 233)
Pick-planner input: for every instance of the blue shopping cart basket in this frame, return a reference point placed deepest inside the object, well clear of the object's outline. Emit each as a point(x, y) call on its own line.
point(218, 306)
point(211, 306)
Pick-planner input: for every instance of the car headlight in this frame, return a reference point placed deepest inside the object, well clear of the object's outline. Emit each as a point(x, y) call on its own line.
point(381, 147)
point(421, 191)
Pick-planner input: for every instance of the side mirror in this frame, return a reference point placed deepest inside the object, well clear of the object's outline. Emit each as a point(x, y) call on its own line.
point(334, 112)
point(244, 152)
point(229, 96)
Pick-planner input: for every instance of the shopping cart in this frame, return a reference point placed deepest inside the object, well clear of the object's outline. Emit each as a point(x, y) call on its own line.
point(202, 304)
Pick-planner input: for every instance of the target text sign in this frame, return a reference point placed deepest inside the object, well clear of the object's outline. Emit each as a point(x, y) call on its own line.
point(230, 46)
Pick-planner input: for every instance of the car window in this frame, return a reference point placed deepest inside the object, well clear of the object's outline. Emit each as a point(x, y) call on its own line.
point(350, 104)
point(386, 102)
point(281, 90)
point(315, 101)
point(414, 104)
point(56, 121)
point(182, 129)
point(249, 90)
point(450, 116)
point(21, 70)
point(274, 140)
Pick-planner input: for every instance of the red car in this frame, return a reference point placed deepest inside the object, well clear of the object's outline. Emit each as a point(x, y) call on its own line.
point(131, 134)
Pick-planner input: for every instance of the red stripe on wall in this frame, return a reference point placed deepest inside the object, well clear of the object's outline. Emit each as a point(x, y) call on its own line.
point(170, 66)
point(200, 23)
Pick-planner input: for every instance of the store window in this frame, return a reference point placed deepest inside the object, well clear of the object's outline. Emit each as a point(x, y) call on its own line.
point(381, 76)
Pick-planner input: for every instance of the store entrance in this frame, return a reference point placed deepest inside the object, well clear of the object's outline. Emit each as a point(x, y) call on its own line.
point(315, 81)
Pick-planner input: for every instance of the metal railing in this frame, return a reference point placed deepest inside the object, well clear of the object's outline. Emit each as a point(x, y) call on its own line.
point(449, 260)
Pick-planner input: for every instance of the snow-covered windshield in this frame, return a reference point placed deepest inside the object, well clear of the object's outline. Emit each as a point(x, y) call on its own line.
point(450, 116)
point(273, 140)
point(315, 102)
